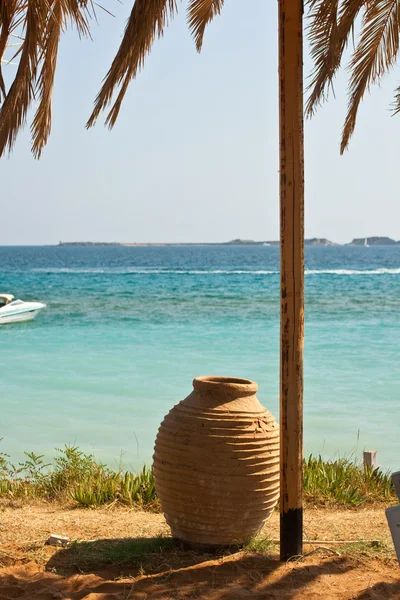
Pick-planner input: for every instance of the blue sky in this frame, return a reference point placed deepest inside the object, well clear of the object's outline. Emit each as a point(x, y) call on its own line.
point(194, 155)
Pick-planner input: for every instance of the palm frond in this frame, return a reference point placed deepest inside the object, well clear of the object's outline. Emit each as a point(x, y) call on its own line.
point(323, 41)
point(200, 13)
point(60, 14)
point(42, 22)
point(396, 105)
point(375, 54)
point(331, 25)
point(78, 13)
point(16, 103)
point(147, 21)
point(7, 15)
point(41, 125)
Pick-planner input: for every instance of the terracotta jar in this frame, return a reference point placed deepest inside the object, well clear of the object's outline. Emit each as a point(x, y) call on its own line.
point(216, 463)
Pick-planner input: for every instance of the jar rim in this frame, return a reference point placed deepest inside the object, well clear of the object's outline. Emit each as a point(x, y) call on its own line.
point(211, 381)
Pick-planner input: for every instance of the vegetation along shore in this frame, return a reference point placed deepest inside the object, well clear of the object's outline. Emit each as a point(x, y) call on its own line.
point(77, 478)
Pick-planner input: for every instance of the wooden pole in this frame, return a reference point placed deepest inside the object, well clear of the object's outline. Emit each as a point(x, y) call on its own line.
point(292, 273)
point(370, 459)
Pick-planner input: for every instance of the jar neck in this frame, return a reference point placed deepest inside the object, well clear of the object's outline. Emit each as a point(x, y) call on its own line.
point(225, 386)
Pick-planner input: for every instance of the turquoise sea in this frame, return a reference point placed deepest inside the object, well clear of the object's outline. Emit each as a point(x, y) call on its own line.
point(127, 329)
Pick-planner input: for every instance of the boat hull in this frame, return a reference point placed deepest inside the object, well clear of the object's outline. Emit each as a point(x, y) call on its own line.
point(26, 313)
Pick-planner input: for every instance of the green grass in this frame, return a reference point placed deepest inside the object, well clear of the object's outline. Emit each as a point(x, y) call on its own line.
point(126, 557)
point(78, 477)
point(260, 545)
point(75, 476)
point(343, 482)
point(366, 550)
point(117, 552)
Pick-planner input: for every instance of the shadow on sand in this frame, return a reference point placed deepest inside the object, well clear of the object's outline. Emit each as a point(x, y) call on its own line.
point(160, 569)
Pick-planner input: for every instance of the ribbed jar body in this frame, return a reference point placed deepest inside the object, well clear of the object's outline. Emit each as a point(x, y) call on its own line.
point(216, 463)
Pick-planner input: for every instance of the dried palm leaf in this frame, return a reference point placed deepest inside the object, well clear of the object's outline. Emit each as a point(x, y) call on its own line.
point(41, 125)
point(396, 106)
point(7, 15)
point(200, 13)
point(60, 13)
point(17, 101)
point(375, 54)
point(42, 22)
point(332, 23)
point(78, 13)
point(147, 21)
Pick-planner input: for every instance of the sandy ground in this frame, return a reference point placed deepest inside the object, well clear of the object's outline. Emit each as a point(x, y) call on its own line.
point(129, 555)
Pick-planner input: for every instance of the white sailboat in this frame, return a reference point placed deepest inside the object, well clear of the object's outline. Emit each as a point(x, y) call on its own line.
point(366, 243)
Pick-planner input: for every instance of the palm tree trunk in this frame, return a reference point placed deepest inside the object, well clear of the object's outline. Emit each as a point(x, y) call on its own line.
point(292, 273)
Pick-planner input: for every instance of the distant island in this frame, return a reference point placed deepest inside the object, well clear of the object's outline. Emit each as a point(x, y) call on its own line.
point(373, 241)
point(368, 241)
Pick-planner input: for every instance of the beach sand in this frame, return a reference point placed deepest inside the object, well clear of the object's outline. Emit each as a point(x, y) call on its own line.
point(153, 570)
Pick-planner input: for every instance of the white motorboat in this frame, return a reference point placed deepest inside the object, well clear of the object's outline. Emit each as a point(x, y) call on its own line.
point(13, 310)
